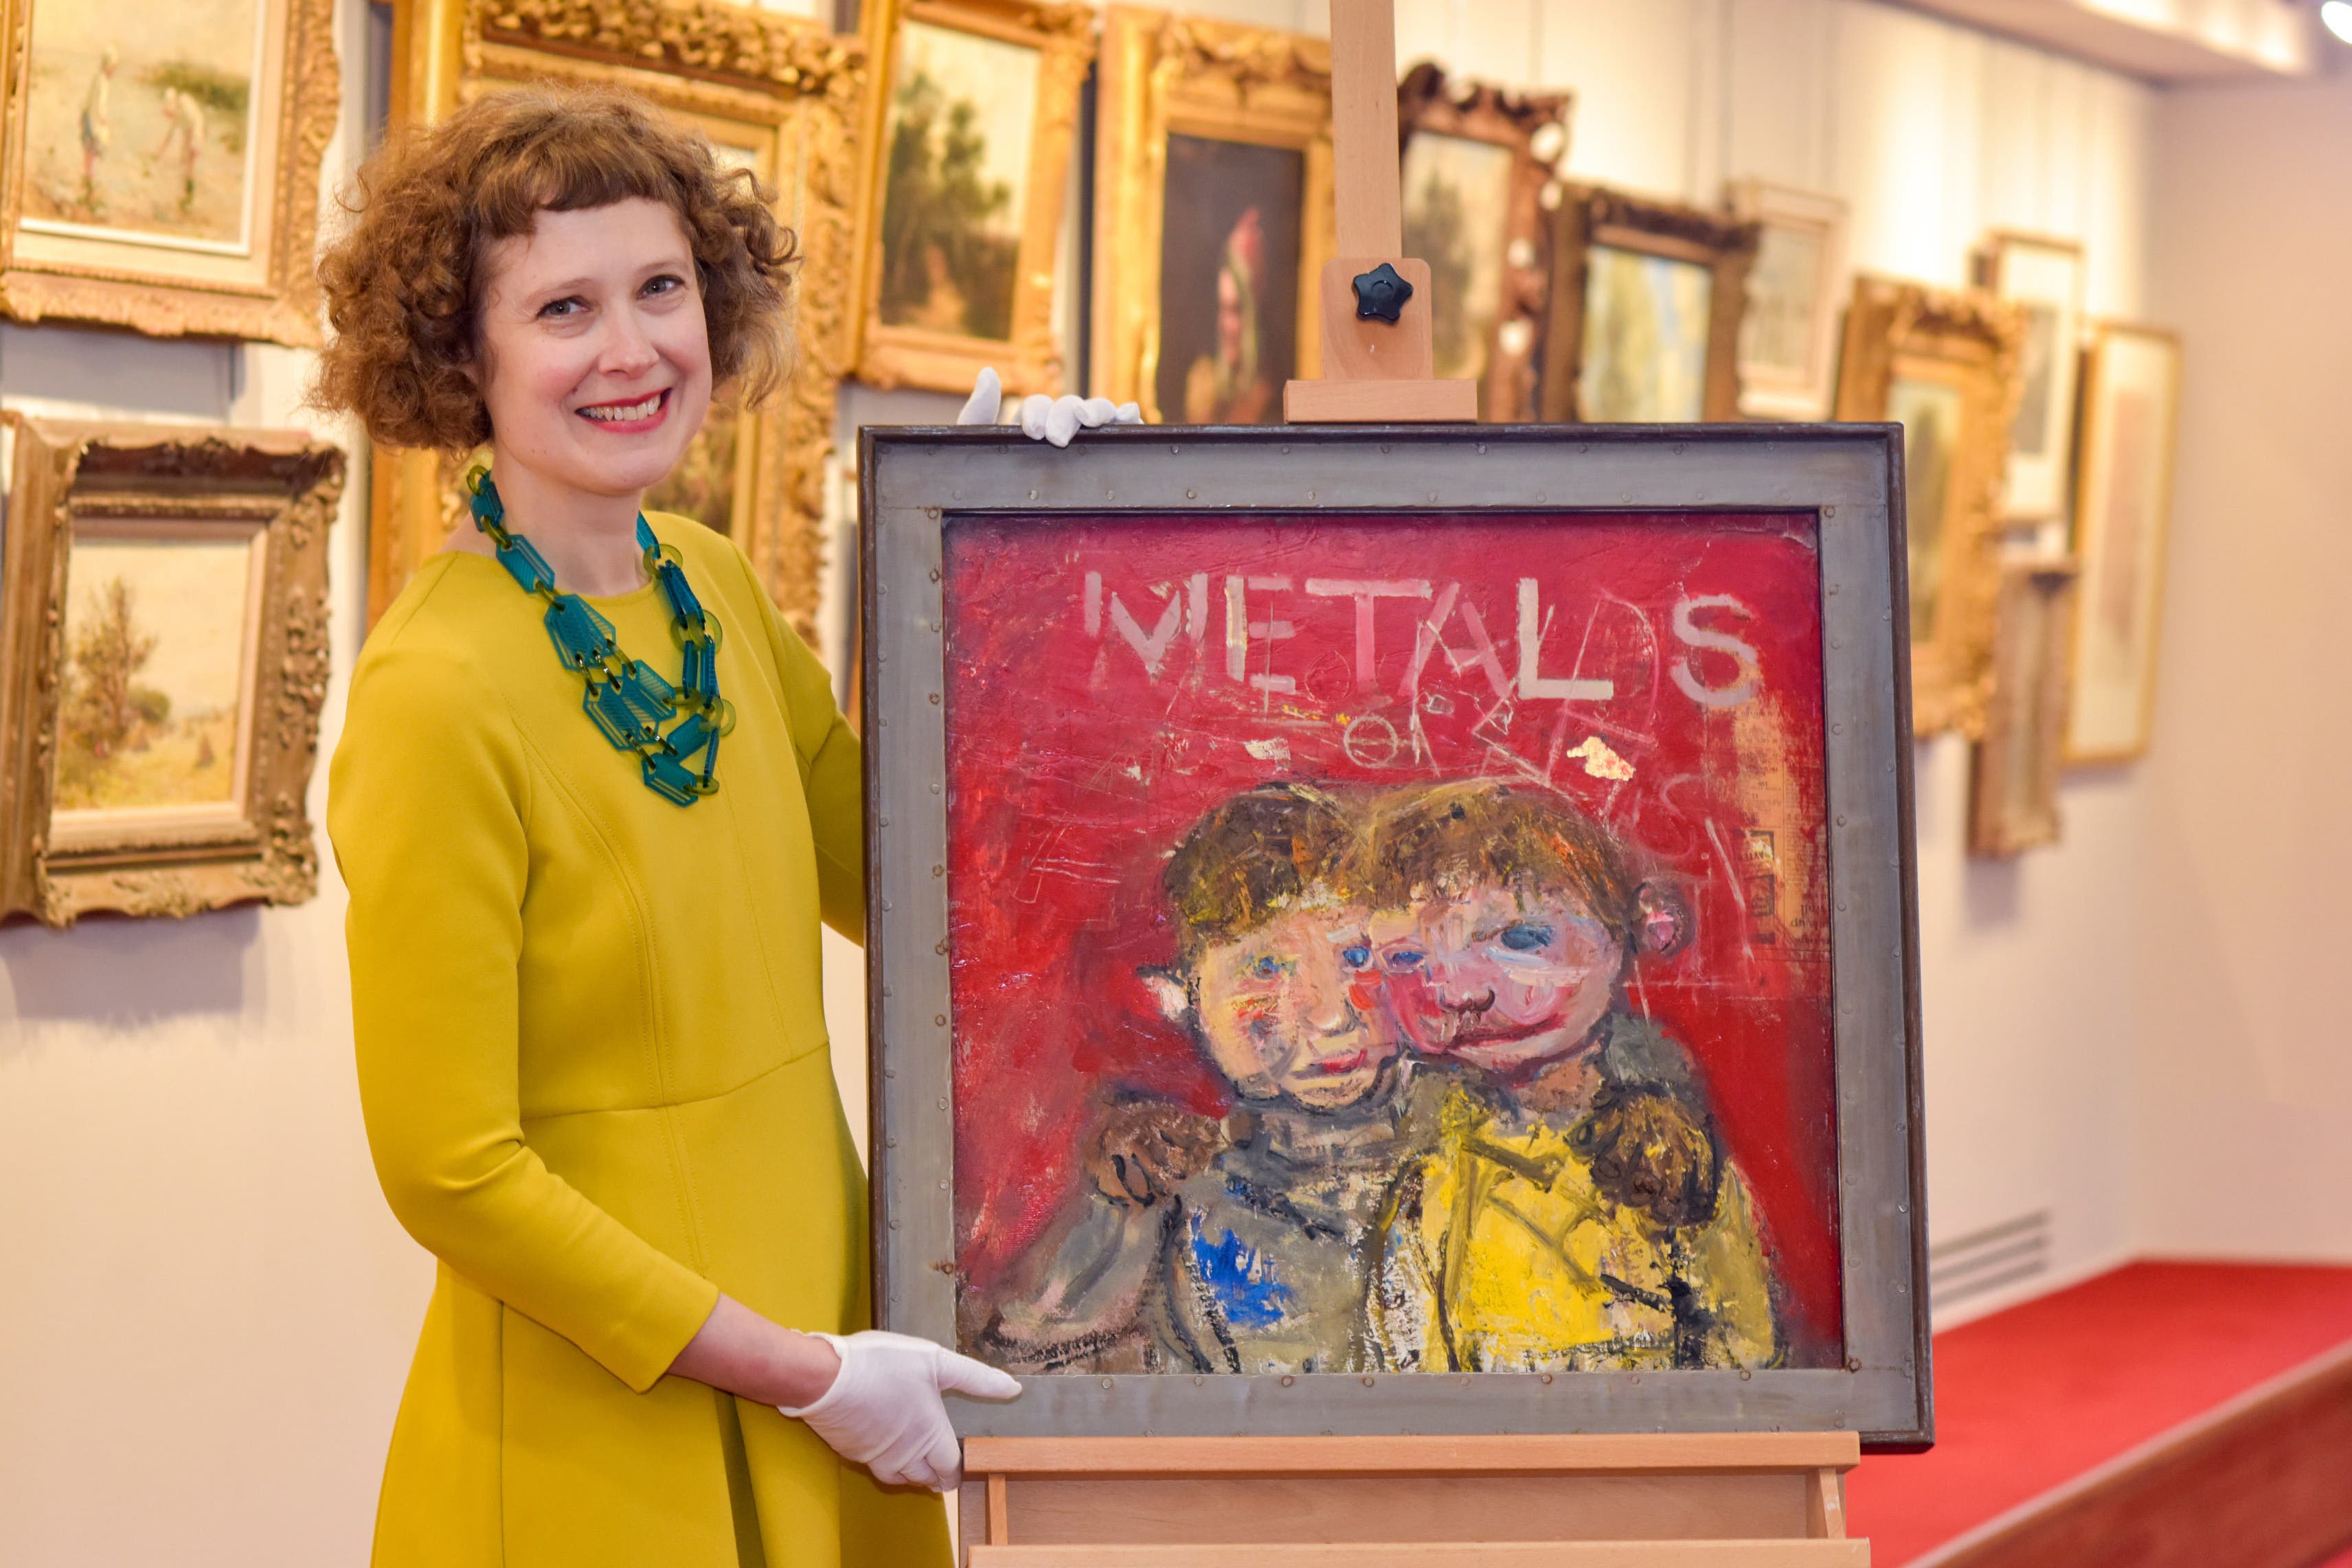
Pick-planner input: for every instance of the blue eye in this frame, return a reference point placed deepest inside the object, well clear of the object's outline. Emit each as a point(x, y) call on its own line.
point(1268, 968)
point(1407, 959)
point(1356, 958)
point(1525, 937)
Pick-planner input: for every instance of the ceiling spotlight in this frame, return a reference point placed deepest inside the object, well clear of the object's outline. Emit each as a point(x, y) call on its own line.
point(2338, 15)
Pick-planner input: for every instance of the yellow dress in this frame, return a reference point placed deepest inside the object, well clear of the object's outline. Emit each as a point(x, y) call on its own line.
point(594, 1067)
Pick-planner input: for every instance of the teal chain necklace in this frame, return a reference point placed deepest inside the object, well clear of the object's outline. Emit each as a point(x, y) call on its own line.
point(626, 700)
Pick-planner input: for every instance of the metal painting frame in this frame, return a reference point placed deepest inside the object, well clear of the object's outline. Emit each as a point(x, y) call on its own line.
point(915, 479)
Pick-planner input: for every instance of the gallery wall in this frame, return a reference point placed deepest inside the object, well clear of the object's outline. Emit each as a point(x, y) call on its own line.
point(207, 1310)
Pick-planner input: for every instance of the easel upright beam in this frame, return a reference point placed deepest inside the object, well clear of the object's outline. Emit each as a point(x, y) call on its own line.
point(1364, 127)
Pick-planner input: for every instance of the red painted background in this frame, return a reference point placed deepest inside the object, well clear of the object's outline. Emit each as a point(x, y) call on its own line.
point(1088, 724)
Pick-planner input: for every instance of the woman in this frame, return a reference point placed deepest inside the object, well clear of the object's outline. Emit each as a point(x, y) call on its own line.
point(582, 930)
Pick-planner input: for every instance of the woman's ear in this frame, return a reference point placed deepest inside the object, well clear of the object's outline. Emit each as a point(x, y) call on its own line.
point(1664, 926)
point(1168, 987)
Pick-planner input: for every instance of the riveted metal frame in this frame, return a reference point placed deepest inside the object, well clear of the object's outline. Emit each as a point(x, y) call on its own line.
point(917, 480)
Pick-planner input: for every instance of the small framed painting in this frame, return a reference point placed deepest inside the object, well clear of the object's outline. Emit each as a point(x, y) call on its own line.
point(2123, 510)
point(1653, 296)
point(159, 164)
point(1944, 366)
point(1397, 930)
point(972, 111)
point(1788, 338)
point(1478, 159)
point(2013, 790)
point(2043, 278)
point(1212, 215)
point(165, 607)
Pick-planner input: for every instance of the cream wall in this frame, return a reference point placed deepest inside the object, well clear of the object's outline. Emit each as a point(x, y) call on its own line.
point(205, 1310)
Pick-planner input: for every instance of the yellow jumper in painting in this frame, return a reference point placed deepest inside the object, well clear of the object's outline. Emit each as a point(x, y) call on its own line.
point(1502, 1253)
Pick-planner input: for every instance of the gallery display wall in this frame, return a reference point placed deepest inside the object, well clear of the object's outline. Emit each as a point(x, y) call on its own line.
point(208, 1309)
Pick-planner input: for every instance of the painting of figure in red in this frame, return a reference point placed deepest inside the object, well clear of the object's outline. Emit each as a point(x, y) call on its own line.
point(1391, 943)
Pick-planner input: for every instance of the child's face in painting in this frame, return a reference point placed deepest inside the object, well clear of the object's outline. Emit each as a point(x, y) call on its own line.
point(1504, 980)
point(1281, 1010)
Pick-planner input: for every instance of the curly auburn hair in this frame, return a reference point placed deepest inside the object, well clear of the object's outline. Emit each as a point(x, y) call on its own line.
point(1442, 836)
point(1257, 854)
point(404, 284)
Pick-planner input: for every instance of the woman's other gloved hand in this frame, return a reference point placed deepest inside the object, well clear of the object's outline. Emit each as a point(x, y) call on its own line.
point(884, 1410)
point(1043, 418)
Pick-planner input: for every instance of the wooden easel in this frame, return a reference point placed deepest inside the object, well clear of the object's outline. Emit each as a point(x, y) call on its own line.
point(1751, 1499)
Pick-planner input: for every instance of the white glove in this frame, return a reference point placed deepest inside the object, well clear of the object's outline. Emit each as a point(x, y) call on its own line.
point(884, 1412)
point(1043, 418)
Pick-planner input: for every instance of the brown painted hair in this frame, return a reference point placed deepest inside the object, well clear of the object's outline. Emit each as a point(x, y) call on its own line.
point(1256, 854)
point(404, 283)
point(1439, 837)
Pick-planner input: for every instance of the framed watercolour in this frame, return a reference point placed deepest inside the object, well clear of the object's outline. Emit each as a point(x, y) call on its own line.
point(2013, 793)
point(1311, 853)
point(1212, 215)
point(776, 95)
point(165, 657)
point(970, 122)
point(2123, 509)
point(159, 165)
point(1788, 339)
point(1477, 161)
point(1652, 295)
point(1944, 366)
point(2043, 278)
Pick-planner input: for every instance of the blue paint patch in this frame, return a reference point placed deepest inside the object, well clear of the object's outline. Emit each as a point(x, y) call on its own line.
point(1242, 1279)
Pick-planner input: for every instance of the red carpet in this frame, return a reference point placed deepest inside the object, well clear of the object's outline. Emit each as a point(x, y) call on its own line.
point(2032, 1397)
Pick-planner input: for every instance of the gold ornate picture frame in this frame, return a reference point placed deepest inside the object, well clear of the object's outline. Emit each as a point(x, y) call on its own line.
point(159, 164)
point(2014, 769)
point(1260, 101)
point(1479, 192)
point(166, 656)
point(777, 93)
point(1651, 296)
point(1944, 365)
point(1789, 338)
point(964, 194)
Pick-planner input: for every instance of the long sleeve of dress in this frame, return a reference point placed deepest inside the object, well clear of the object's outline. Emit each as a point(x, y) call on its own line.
point(430, 793)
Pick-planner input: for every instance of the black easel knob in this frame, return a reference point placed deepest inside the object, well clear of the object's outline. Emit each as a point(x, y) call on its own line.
point(1381, 294)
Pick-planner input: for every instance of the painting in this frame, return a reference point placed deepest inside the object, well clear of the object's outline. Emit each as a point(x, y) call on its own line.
point(164, 661)
point(1477, 176)
point(2122, 505)
point(1657, 295)
point(158, 167)
point(2014, 791)
point(2043, 278)
point(1374, 944)
point(1788, 339)
point(1212, 215)
point(773, 94)
point(1944, 366)
point(970, 117)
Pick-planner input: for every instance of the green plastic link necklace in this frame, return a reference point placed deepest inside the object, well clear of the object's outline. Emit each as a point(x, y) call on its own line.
point(626, 700)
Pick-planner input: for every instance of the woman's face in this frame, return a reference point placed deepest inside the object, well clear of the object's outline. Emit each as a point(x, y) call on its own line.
point(595, 362)
point(1504, 980)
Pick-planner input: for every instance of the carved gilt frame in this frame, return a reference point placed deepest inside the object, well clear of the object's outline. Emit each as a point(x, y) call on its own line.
point(1593, 215)
point(1224, 82)
point(776, 86)
point(279, 487)
point(1534, 127)
point(1031, 358)
point(2032, 647)
point(1970, 341)
point(265, 289)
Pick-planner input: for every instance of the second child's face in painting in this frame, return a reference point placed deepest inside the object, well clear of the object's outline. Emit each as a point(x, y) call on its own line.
point(1503, 980)
point(1280, 1013)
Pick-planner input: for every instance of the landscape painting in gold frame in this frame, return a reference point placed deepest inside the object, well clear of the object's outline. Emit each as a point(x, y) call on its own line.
point(2014, 769)
point(1478, 159)
point(159, 164)
point(162, 666)
point(775, 94)
point(1944, 366)
point(1213, 215)
point(1651, 298)
point(2123, 510)
point(971, 114)
point(1788, 339)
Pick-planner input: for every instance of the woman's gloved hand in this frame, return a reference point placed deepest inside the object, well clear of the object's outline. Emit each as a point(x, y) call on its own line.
point(884, 1412)
point(1043, 418)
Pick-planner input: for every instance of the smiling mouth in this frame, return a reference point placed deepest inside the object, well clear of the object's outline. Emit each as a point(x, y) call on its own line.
point(627, 412)
point(1332, 1066)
